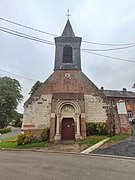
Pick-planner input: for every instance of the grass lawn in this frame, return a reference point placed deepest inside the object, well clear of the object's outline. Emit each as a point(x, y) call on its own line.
point(11, 143)
point(118, 137)
point(91, 140)
point(115, 139)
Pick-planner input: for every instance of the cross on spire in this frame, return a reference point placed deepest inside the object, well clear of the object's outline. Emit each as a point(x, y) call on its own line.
point(68, 14)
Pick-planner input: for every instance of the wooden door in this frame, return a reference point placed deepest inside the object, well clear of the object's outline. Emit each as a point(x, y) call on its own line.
point(68, 131)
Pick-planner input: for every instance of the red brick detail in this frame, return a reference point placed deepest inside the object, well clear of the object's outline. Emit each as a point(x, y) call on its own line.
point(52, 129)
point(125, 126)
point(28, 125)
point(115, 120)
point(83, 128)
point(109, 121)
point(57, 83)
point(121, 122)
point(75, 97)
point(36, 132)
point(129, 103)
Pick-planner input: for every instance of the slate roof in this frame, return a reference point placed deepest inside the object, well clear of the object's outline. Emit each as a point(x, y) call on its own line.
point(121, 94)
point(68, 31)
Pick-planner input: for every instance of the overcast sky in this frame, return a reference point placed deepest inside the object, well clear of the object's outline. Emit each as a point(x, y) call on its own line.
point(103, 21)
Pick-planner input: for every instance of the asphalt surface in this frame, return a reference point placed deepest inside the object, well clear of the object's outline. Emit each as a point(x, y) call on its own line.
point(123, 148)
point(21, 165)
point(14, 132)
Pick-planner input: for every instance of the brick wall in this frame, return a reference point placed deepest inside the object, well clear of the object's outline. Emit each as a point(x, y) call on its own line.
point(130, 103)
point(65, 85)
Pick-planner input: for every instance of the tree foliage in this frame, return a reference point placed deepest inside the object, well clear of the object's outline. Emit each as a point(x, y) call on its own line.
point(16, 122)
point(35, 87)
point(10, 96)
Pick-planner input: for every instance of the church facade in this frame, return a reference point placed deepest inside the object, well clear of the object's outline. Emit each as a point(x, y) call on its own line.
point(68, 99)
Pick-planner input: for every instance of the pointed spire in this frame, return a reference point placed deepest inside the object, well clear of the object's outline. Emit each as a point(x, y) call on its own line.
point(68, 31)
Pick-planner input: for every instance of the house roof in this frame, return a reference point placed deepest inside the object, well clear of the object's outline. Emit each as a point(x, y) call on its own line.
point(68, 31)
point(119, 94)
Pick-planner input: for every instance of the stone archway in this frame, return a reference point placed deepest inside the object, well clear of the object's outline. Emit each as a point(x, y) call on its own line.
point(67, 110)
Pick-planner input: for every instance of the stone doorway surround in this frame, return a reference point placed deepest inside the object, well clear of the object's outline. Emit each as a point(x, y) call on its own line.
point(67, 109)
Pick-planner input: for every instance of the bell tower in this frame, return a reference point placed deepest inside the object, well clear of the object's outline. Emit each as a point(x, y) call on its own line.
point(67, 51)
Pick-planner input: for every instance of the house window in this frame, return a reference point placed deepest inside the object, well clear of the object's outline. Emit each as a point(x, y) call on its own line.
point(67, 54)
point(129, 114)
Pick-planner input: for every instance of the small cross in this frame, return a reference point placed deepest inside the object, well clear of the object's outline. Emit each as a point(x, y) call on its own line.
point(68, 14)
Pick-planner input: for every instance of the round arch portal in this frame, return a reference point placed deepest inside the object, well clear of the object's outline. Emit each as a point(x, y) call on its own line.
point(67, 114)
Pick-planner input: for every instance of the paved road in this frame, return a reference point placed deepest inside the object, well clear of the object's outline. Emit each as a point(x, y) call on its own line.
point(14, 132)
point(44, 166)
point(124, 148)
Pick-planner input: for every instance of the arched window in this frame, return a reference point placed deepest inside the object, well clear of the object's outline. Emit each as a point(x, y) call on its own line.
point(67, 54)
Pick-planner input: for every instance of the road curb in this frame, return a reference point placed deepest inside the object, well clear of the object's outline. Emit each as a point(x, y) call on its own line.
point(111, 156)
point(95, 146)
point(71, 153)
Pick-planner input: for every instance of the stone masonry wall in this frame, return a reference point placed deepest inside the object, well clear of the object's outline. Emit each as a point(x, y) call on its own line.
point(38, 113)
point(95, 109)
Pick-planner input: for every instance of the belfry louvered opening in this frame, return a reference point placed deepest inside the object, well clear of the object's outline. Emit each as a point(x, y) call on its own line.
point(67, 54)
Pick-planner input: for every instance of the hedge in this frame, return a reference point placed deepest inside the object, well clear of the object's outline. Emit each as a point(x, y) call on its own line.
point(96, 129)
point(5, 130)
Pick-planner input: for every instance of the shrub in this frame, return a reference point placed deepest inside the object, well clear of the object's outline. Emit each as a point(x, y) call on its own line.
point(16, 122)
point(24, 138)
point(5, 130)
point(96, 129)
point(45, 134)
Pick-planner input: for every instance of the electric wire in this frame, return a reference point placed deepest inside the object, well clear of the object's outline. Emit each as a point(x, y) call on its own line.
point(28, 27)
point(111, 57)
point(84, 50)
point(23, 35)
point(51, 43)
point(17, 75)
point(41, 31)
point(110, 49)
point(107, 44)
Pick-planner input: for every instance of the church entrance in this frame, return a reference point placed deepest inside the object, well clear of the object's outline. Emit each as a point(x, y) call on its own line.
point(68, 130)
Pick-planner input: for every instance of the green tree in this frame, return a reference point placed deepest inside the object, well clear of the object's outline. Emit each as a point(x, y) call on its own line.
point(16, 122)
point(35, 87)
point(10, 96)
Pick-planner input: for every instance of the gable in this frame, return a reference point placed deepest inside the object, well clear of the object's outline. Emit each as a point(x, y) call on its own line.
point(70, 81)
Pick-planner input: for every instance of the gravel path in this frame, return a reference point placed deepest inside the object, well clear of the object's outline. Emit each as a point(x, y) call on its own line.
point(123, 148)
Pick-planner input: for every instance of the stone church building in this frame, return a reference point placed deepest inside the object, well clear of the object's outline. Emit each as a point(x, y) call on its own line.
point(68, 99)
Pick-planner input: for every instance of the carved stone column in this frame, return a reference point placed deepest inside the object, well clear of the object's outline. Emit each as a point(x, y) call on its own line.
point(78, 135)
point(58, 136)
point(83, 126)
point(52, 127)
